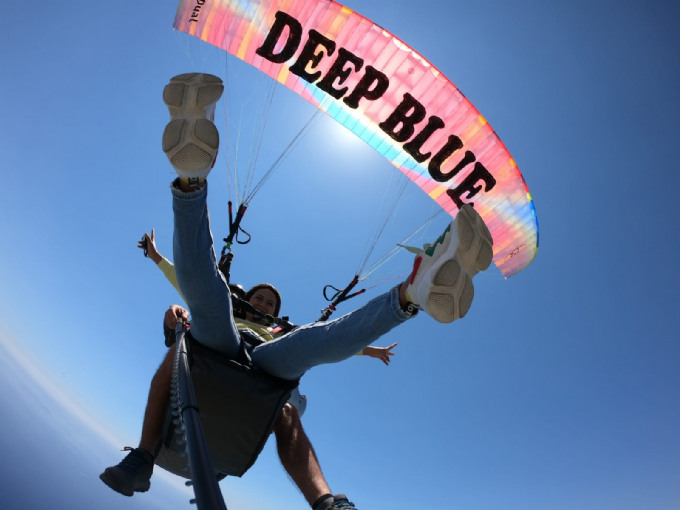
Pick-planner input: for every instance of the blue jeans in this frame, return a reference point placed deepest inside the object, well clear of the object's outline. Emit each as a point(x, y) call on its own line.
point(212, 322)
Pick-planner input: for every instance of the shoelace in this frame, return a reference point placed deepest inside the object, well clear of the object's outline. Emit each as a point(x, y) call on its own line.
point(133, 461)
point(343, 503)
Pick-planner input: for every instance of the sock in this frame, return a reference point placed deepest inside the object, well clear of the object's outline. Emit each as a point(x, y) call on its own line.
point(147, 456)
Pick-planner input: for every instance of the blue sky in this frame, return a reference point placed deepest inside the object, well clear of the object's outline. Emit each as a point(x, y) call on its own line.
point(559, 390)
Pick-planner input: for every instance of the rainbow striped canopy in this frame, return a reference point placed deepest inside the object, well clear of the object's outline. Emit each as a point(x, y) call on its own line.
point(389, 96)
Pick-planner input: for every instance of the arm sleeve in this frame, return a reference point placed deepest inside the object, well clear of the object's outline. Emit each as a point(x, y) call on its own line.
point(169, 271)
point(169, 334)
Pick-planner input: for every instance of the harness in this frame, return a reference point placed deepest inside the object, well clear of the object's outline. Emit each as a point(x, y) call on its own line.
point(337, 298)
point(227, 256)
point(238, 405)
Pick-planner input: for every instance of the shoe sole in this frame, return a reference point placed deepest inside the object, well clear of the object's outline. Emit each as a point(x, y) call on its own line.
point(190, 139)
point(111, 483)
point(451, 289)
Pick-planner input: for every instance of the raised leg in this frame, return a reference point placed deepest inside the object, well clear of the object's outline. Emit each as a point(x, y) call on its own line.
point(293, 354)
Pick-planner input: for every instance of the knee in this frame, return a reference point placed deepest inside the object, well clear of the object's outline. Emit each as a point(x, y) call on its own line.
point(288, 419)
point(289, 415)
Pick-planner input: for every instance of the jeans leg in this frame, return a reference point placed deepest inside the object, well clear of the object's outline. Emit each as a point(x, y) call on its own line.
point(293, 354)
point(198, 276)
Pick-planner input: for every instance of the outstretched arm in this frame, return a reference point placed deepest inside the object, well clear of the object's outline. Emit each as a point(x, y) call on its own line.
point(381, 353)
point(163, 264)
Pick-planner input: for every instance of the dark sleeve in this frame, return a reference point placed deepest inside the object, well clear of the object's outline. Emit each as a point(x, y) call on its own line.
point(169, 335)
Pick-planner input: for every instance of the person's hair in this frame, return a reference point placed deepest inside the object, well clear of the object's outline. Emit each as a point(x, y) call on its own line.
point(267, 286)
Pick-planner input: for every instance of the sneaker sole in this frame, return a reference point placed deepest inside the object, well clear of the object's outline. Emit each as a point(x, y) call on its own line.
point(190, 139)
point(451, 289)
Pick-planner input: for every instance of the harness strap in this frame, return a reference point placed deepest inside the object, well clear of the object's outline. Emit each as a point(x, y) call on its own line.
point(270, 320)
point(339, 297)
point(235, 227)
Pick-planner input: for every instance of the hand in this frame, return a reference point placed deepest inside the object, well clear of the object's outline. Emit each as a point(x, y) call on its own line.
point(151, 249)
point(381, 353)
point(175, 313)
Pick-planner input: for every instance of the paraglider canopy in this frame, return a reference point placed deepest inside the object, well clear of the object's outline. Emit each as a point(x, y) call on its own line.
point(388, 95)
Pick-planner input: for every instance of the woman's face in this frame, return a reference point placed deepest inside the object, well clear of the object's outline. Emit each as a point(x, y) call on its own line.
point(264, 300)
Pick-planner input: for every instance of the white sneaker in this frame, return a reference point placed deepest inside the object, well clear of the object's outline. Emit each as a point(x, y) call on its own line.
point(441, 281)
point(191, 139)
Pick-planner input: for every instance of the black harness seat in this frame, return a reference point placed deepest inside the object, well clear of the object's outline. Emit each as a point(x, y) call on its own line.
point(238, 404)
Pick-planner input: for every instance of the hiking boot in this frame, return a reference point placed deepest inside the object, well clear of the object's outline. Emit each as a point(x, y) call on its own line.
point(191, 139)
point(133, 474)
point(441, 281)
point(340, 502)
point(337, 502)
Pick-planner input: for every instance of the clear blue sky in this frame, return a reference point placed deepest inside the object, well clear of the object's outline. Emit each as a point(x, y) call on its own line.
point(559, 390)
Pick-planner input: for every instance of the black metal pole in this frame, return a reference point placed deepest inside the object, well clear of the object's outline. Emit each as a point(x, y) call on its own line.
point(206, 488)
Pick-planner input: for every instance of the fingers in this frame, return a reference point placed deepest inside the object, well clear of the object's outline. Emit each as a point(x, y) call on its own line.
point(181, 313)
point(170, 318)
point(385, 357)
point(150, 241)
point(140, 244)
point(175, 313)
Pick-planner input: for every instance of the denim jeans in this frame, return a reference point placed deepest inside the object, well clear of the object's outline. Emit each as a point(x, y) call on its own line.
point(209, 299)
